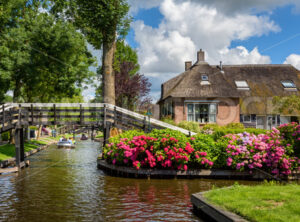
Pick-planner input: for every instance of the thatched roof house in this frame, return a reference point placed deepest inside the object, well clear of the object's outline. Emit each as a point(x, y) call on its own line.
point(229, 93)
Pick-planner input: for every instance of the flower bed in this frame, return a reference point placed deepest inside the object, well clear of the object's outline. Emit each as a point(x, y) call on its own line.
point(167, 149)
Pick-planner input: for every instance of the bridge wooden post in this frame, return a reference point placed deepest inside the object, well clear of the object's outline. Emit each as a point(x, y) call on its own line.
point(81, 115)
point(54, 110)
point(92, 134)
point(19, 140)
point(106, 133)
point(115, 116)
point(104, 117)
point(19, 146)
point(3, 116)
point(32, 118)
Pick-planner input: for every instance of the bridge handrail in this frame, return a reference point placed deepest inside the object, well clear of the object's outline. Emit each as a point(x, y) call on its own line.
point(154, 121)
point(101, 105)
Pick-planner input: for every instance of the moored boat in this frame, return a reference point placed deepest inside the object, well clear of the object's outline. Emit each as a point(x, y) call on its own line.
point(65, 144)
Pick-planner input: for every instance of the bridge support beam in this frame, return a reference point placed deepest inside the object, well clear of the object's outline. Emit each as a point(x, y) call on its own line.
point(92, 134)
point(106, 133)
point(19, 145)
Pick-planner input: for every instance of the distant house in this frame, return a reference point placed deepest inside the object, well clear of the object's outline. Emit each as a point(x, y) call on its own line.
point(229, 93)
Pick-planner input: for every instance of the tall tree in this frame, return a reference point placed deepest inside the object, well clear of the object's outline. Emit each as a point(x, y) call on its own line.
point(102, 22)
point(131, 90)
point(43, 59)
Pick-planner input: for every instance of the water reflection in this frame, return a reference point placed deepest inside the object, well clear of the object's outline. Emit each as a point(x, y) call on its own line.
point(65, 185)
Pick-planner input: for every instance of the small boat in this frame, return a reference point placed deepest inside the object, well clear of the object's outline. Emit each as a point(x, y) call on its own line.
point(84, 137)
point(65, 144)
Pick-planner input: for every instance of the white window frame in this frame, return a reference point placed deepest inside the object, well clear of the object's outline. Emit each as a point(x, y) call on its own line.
point(283, 82)
point(208, 113)
point(242, 84)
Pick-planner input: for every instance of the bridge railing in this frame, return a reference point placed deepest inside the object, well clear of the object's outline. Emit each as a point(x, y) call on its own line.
point(86, 114)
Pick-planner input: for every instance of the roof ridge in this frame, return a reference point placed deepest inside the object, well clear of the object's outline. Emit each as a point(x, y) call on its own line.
point(250, 65)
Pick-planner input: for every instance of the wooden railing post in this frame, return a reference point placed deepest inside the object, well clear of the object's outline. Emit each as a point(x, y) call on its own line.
point(115, 116)
point(3, 116)
point(19, 146)
point(92, 135)
point(20, 115)
point(106, 133)
point(54, 110)
point(81, 115)
point(32, 118)
point(104, 117)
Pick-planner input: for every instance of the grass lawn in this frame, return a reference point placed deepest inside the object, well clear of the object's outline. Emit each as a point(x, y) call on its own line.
point(8, 151)
point(266, 202)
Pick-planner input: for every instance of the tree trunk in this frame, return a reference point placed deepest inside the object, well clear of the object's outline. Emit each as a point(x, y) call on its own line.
point(109, 94)
point(39, 132)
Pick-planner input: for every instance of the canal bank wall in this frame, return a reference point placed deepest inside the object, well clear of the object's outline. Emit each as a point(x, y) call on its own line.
point(130, 172)
point(210, 212)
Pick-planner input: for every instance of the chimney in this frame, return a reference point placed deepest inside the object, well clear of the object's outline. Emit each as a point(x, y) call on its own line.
point(188, 65)
point(200, 56)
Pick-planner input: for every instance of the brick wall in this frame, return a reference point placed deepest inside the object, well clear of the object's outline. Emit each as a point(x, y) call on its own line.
point(228, 111)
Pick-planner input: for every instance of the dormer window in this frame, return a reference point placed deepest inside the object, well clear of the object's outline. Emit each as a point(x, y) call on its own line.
point(204, 77)
point(288, 84)
point(243, 85)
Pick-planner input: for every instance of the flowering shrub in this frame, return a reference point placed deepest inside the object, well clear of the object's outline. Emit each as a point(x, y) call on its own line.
point(291, 135)
point(265, 151)
point(161, 151)
point(272, 151)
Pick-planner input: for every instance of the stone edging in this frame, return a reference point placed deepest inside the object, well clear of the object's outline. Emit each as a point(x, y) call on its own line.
point(123, 171)
point(12, 161)
point(206, 210)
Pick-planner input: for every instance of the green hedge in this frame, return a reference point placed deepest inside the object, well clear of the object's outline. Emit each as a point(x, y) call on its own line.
point(217, 134)
point(5, 136)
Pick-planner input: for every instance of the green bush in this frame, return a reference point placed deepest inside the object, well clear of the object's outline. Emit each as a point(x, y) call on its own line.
point(127, 134)
point(168, 120)
point(190, 126)
point(235, 126)
point(5, 136)
point(217, 134)
point(167, 133)
point(211, 126)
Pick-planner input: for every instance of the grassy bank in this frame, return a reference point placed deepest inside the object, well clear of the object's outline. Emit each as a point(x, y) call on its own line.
point(267, 202)
point(8, 151)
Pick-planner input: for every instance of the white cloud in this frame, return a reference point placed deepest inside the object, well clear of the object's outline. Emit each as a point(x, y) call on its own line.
point(240, 55)
point(227, 7)
point(294, 60)
point(190, 25)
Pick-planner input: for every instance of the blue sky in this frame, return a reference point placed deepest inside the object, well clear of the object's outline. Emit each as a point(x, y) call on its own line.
point(166, 33)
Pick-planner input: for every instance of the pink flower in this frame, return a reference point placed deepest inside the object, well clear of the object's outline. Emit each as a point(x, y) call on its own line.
point(185, 167)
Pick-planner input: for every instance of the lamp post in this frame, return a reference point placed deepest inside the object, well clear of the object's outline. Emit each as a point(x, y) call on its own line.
point(149, 114)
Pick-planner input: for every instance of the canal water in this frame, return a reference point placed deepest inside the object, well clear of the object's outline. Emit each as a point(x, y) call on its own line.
point(65, 185)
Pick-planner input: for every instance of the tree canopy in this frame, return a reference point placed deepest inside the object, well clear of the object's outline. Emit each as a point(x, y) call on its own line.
point(102, 22)
point(42, 59)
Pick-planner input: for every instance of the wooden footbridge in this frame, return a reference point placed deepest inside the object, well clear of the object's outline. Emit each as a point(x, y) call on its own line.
point(19, 116)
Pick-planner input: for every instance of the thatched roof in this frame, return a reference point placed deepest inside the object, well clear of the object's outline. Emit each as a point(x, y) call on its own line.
point(263, 80)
